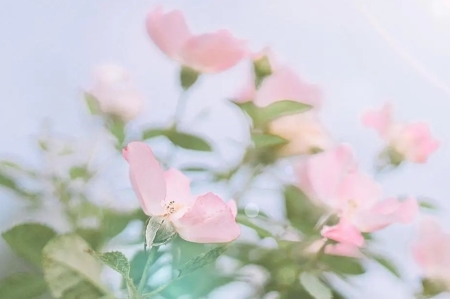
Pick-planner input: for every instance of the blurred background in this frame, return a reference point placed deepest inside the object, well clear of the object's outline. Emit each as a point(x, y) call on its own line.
point(361, 53)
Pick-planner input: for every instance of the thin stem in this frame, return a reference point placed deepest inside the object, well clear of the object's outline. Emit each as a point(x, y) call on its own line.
point(180, 108)
point(144, 278)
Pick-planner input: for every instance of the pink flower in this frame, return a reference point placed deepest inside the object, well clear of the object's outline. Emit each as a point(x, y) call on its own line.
point(115, 92)
point(339, 249)
point(206, 53)
point(200, 219)
point(413, 141)
point(332, 178)
point(304, 131)
point(431, 251)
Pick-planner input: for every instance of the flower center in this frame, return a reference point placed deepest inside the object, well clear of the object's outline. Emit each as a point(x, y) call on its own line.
point(171, 207)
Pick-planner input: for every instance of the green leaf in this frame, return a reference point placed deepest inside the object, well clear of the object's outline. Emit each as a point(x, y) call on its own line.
point(23, 286)
point(343, 265)
point(28, 240)
point(188, 141)
point(117, 128)
point(387, 264)
point(92, 103)
point(70, 271)
point(188, 77)
point(300, 211)
point(244, 220)
point(80, 172)
point(249, 108)
point(118, 262)
point(151, 133)
point(282, 108)
point(201, 260)
point(427, 205)
point(314, 286)
point(267, 140)
point(138, 262)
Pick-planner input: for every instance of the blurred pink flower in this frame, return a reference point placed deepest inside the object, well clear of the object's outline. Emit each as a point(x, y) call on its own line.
point(304, 131)
point(205, 53)
point(116, 92)
point(431, 251)
point(413, 141)
point(332, 178)
point(200, 219)
point(339, 249)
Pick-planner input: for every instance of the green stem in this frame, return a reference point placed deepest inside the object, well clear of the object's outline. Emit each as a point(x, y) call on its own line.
point(180, 108)
point(144, 278)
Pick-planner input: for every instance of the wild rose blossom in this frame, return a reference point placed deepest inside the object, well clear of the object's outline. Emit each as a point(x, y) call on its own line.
point(332, 179)
point(115, 92)
point(201, 219)
point(431, 251)
point(413, 141)
point(205, 53)
point(303, 130)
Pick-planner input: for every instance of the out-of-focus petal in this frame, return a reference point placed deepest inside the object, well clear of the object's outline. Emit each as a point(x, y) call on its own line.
point(146, 176)
point(210, 220)
point(168, 31)
point(213, 52)
point(343, 232)
point(380, 120)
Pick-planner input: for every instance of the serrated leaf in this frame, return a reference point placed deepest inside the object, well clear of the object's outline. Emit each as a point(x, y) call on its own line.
point(267, 140)
point(201, 260)
point(387, 264)
point(151, 133)
point(70, 271)
point(189, 141)
point(28, 240)
point(314, 286)
point(23, 286)
point(91, 103)
point(282, 108)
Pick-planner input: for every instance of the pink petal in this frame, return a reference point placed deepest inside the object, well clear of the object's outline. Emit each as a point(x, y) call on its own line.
point(343, 249)
point(233, 207)
point(380, 120)
point(168, 31)
point(210, 220)
point(284, 84)
point(178, 188)
point(213, 52)
point(415, 142)
point(343, 232)
point(358, 189)
point(387, 212)
point(146, 176)
point(321, 174)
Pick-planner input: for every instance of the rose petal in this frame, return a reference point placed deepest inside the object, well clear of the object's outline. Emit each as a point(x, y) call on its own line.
point(284, 84)
point(233, 207)
point(343, 249)
point(210, 220)
point(213, 52)
point(178, 188)
point(343, 232)
point(380, 120)
point(146, 176)
point(169, 31)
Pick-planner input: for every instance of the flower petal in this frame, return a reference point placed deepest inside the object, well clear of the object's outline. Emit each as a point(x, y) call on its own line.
point(343, 232)
point(210, 220)
point(233, 207)
point(213, 52)
point(168, 31)
point(343, 249)
point(380, 120)
point(284, 84)
point(146, 176)
point(178, 188)
point(321, 174)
